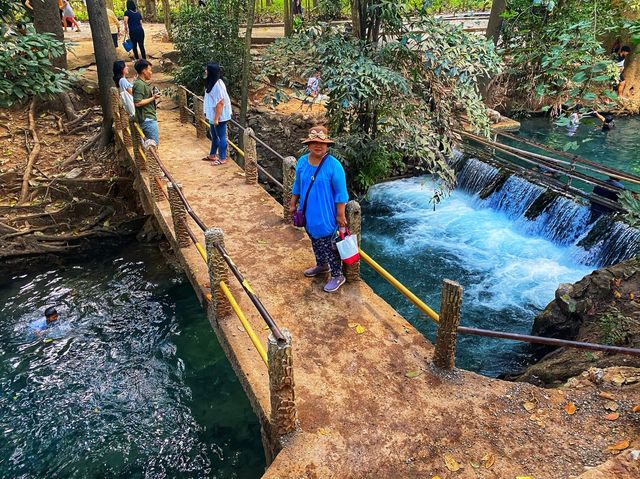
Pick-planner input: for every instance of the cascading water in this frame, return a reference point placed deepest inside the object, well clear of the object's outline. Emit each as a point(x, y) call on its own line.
point(562, 220)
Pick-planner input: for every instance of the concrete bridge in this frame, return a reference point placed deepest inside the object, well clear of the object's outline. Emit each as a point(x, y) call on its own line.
point(351, 389)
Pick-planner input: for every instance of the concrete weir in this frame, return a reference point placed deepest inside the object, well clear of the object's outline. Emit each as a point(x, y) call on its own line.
point(369, 401)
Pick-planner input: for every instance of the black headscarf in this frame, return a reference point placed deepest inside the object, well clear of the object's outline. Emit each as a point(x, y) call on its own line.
point(213, 75)
point(118, 71)
point(131, 5)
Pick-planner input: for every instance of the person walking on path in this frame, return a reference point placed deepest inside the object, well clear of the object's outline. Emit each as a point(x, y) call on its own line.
point(114, 27)
point(133, 28)
point(144, 99)
point(69, 16)
point(217, 109)
point(321, 183)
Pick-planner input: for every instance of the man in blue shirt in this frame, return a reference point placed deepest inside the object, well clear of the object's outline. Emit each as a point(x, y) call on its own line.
point(50, 318)
point(320, 191)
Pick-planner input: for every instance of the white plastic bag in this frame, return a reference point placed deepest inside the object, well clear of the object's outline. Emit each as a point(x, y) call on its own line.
point(127, 102)
point(348, 247)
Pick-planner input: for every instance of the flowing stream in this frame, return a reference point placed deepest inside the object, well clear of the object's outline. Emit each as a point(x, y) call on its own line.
point(131, 383)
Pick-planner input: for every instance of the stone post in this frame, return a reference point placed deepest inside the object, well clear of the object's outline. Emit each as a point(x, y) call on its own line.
point(281, 385)
point(179, 217)
point(182, 103)
point(217, 272)
point(288, 177)
point(354, 220)
point(155, 173)
point(126, 132)
point(445, 354)
point(198, 109)
point(250, 157)
point(137, 145)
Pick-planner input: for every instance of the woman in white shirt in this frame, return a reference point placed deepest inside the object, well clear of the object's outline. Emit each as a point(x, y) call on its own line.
point(120, 70)
point(217, 109)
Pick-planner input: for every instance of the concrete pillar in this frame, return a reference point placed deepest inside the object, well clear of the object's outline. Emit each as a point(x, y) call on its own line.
point(179, 217)
point(155, 173)
point(182, 103)
point(218, 271)
point(126, 132)
point(354, 220)
point(250, 157)
point(198, 109)
point(281, 385)
point(450, 304)
point(137, 145)
point(288, 177)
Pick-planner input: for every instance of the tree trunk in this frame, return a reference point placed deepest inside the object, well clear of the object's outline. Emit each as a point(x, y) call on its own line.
point(246, 66)
point(150, 10)
point(46, 19)
point(495, 20)
point(288, 18)
point(166, 9)
point(105, 56)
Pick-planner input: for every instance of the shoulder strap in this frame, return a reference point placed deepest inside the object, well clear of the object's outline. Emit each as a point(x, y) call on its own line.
point(313, 179)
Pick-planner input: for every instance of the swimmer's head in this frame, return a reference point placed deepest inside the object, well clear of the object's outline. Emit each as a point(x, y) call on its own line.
point(51, 314)
point(608, 118)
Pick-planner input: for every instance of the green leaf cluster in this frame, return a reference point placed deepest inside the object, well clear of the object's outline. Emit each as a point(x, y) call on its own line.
point(209, 34)
point(631, 205)
point(392, 104)
point(26, 69)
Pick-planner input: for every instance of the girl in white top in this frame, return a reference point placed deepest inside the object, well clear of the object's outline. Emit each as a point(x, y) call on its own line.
point(120, 70)
point(217, 109)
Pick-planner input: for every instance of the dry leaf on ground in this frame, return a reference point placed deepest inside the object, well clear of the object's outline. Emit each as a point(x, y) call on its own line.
point(413, 374)
point(359, 329)
point(488, 460)
point(611, 406)
point(528, 405)
point(606, 395)
point(352, 325)
point(451, 463)
point(612, 417)
point(619, 446)
point(636, 408)
point(323, 431)
point(570, 408)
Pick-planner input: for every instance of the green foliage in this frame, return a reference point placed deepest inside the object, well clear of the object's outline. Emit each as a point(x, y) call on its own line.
point(554, 51)
point(330, 10)
point(26, 69)
point(396, 103)
point(614, 327)
point(631, 204)
point(209, 34)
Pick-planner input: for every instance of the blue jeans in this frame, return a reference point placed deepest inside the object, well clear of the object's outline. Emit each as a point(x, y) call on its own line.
point(150, 129)
point(219, 140)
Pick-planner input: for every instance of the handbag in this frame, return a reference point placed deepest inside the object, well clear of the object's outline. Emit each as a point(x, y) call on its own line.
point(127, 102)
point(299, 218)
point(127, 45)
point(348, 247)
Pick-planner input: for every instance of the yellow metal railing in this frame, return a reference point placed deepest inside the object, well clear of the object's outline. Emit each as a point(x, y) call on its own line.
point(421, 305)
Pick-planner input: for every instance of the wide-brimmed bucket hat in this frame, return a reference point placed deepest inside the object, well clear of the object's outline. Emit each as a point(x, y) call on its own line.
point(318, 134)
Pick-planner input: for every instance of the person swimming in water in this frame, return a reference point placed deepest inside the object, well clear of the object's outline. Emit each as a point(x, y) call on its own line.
point(50, 319)
point(608, 123)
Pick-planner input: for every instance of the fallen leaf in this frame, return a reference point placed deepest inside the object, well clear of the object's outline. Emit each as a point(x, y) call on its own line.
point(632, 296)
point(524, 477)
point(528, 405)
point(323, 431)
point(451, 463)
point(617, 380)
point(352, 325)
point(436, 477)
point(570, 409)
point(262, 242)
point(606, 395)
point(612, 416)
point(413, 374)
point(475, 465)
point(617, 294)
point(359, 329)
point(636, 408)
point(488, 460)
point(611, 406)
point(619, 446)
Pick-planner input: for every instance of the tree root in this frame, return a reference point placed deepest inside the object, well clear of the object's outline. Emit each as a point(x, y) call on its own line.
point(74, 122)
point(33, 155)
point(90, 142)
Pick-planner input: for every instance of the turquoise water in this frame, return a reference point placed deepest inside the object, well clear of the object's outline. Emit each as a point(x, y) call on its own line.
point(132, 382)
point(508, 274)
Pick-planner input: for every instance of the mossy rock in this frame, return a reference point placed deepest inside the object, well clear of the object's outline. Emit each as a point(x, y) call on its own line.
point(600, 231)
point(540, 204)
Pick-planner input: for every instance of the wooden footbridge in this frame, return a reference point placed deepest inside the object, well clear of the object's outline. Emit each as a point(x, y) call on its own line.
point(342, 385)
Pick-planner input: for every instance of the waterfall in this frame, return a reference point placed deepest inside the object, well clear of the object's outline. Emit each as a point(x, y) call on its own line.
point(475, 175)
point(544, 213)
point(515, 197)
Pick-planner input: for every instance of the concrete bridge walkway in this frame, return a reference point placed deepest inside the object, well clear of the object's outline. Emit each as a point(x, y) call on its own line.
point(369, 404)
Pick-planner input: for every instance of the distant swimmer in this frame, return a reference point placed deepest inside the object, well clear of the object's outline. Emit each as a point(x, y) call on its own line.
point(50, 318)
point(608, 123)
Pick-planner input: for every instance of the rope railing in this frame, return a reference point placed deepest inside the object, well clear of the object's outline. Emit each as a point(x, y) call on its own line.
point(449, 317)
